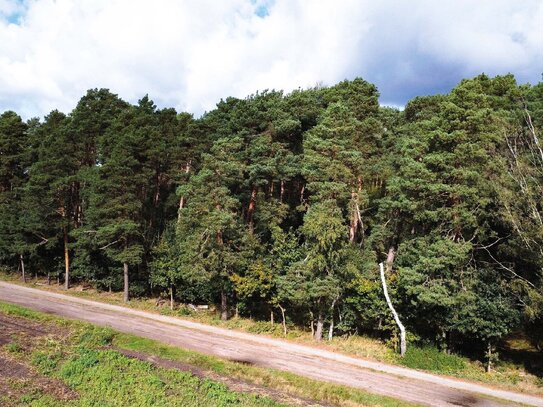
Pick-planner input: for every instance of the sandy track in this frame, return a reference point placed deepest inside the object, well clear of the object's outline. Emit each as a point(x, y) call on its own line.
point(394, 381)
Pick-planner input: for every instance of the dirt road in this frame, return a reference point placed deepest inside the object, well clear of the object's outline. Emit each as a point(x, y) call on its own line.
point(394, 381)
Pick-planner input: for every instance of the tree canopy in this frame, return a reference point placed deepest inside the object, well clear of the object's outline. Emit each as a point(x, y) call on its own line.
point(283, 204)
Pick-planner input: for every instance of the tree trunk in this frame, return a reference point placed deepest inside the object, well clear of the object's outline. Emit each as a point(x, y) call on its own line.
point(22, 267)
point(66, 260)
point(251, 209)
point(390, 260)
point(157, 188)
point(48, 278)
point(125, 293)
point(331, 329)
point(271, 317)
point(534, 134)
point(320, 326)
point(171, 297)
point(181, 206)
point(353, 228)
point(282, 194)
point(224, 306)
point(283, 320)
point(443, 344)
point(489, 357)
point(312, 323)
point(182, 198)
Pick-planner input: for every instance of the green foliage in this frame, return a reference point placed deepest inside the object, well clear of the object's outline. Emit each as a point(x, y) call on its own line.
point(13, 347)
point(14, 161)
point(95, 376)
point(95, 336)
point(45, 362)
point(283, 205)
point(431, 359)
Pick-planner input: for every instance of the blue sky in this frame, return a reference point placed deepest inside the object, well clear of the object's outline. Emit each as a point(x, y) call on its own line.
point(12, 11)
point(190, 54)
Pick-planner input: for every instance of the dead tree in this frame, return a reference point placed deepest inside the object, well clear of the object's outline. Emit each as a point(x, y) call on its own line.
point(390, 260)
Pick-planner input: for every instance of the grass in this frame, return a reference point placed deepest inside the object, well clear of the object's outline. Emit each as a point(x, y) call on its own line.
point(106, 377)
point(103, 377)
point(283, 381)
point(506, 375)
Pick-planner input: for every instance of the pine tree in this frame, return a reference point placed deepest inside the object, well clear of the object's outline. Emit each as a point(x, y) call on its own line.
point(14, 161)
point(50, 191)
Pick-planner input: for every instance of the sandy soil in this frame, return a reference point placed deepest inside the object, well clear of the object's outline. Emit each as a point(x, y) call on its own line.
point(394, 381)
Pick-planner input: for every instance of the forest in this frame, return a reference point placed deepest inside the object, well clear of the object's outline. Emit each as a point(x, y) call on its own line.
point(281, 206)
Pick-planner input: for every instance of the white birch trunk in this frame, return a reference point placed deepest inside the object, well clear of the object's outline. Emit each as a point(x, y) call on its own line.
point(403, 345)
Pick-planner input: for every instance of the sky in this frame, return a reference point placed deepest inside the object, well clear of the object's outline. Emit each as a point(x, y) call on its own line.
point(189, 54)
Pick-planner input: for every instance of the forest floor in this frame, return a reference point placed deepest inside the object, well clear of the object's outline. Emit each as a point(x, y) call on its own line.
point(250, 351)
point(520, 367)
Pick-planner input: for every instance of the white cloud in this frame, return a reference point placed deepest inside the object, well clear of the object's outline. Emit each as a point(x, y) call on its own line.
point(190, 54)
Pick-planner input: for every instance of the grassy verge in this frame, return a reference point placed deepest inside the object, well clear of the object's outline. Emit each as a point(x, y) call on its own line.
point(506, 375)
point(102, 376)
point(105, 377)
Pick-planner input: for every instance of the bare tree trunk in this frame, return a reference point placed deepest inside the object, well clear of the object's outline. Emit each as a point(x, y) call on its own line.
point(125, 292)
point(66, 260)
point(331, 329)
point(312, 323)
point(534, 134)
point(156, 198)
point(320, 326)
point(282, 195)
point(283, 320)
point(489, 357)
point(182, 198)
point(361, 223)
point(224, 306)
point(271, 317)
point(390, 260)
point(442, 339)
point(353, 227)
point(251, 209)
point(171, 297)
point(48, 278)
point(22, 267)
